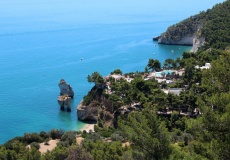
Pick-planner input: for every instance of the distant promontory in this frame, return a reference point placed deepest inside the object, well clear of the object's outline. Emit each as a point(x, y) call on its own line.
point(206, 28)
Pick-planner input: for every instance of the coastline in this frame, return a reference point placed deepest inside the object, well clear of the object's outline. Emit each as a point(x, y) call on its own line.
point(88, 126)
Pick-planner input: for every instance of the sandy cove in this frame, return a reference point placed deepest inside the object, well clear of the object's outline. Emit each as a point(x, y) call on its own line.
point(88, 127)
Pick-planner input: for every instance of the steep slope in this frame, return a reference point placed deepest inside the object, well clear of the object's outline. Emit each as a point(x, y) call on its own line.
point(209, 28)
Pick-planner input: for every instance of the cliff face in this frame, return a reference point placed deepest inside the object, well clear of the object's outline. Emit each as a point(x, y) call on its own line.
point(87, 112)
point(98, 108)
point(197, 42)
point(210, 28)
point(187, 32)
point(96, 105)
point(189, 40)
point(186, 40)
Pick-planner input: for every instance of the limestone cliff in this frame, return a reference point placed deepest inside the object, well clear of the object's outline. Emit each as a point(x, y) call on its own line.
point(64, 101)
point(189, 40)
point(185, 40)
point(208, 28)
point(187, 32)
point(87, 112)
point(65, 89)
point(89, 107)
point(66, 93)
point(102, 111)
point(197, 42)
point(96, 105)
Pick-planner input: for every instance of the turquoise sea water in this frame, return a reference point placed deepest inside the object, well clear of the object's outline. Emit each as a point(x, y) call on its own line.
point(43, 41)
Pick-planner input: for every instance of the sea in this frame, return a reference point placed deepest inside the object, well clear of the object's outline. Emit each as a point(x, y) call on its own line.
point(44, 41)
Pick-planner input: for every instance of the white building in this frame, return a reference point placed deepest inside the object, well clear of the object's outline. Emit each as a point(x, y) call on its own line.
point(206, 66)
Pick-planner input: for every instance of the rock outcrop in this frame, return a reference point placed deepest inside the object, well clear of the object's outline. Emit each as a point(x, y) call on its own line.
point(64, 101)
point(96, 106)
point(156, 38)
point(186, 40)
point(197, 42)
point(85, 113)
point(65, 89)
point(103, 111)
point(66, 93)
point(190, 40)
point(187, 32)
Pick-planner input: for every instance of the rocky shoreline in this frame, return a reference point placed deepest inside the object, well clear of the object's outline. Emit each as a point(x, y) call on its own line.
point(190, 40)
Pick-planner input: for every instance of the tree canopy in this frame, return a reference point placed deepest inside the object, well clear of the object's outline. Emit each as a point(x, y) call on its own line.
point(95, 78)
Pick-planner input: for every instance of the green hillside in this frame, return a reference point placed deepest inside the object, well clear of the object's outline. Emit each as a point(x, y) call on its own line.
point(213, 25)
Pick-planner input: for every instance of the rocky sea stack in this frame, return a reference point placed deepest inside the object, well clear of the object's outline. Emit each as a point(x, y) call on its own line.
point(65, 88)
point(66, 93)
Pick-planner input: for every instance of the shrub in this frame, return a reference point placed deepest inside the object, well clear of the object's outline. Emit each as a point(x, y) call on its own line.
point(58, 153)
point(181, 144)
point(93, 136)
point(105, 133)
point(56, 134)
point(44, 135)
point(69, 136)
point(84, 134)
point(116, 137)
point(63, 144)
point(77, 152)
point(96, 128)
point(35, 145)
point(31, 137)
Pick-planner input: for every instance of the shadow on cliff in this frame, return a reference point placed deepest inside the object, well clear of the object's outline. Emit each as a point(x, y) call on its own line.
point(88, 121)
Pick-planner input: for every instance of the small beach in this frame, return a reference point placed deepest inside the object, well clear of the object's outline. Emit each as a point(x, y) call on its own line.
point(88, 127)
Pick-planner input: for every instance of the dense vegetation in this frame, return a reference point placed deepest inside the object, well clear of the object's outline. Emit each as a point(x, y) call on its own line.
point(141, 131)
point(212, 24)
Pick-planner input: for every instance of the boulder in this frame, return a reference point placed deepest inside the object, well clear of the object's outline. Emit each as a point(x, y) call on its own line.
point(65, 89)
